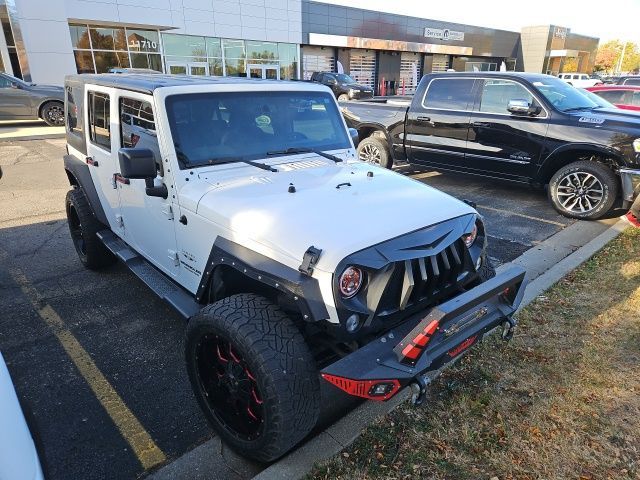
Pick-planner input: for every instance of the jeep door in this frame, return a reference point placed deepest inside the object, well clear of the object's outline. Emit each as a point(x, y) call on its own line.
point(102, 150)
point(438, 121)
point(148, 221)
point(502, 143)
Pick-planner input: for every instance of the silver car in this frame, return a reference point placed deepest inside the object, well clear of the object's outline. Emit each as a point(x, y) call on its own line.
point(20, 100)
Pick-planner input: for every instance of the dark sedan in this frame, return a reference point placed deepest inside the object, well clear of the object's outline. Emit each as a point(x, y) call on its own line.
point(20, 100)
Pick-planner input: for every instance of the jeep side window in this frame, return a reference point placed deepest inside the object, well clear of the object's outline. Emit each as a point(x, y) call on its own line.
point(496, 95)
point(74, 126)
point(99, 119)
point(137, 126)
point(449, 94)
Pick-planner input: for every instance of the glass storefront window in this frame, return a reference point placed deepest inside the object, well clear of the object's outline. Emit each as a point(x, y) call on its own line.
point(80, 37)
point(214, 48)
point(288, 54)
point(235, 67)
point(262, 50)
point(108, 39)
point(146, 60)
point(107, 60)
point(143, 41)
point(215, 67)
point(84, 61)
point(233, 48)
point(184, 45)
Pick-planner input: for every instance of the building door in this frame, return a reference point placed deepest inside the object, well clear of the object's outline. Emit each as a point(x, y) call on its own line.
point(440, 63)
point(317, 59)
point(267, 72)
point(362, 67)
point(188, 68)
point(409, 73)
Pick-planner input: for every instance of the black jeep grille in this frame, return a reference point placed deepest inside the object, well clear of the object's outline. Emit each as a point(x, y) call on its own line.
point(423, 280)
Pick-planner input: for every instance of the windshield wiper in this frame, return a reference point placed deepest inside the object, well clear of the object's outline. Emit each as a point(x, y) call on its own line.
point(294, 150)
point(575, 109)
point(219, 161)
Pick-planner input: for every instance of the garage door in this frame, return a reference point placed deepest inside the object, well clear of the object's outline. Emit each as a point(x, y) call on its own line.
point(362, 67)
point(317, 59)
point(409, 73)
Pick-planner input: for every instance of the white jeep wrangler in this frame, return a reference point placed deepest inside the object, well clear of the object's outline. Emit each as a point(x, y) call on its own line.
point(241, 203)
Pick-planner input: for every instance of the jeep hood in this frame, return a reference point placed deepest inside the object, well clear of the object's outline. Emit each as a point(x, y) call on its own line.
point(338, 208)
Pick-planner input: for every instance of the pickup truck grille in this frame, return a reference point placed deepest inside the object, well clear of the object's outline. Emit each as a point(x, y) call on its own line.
point(424, 279)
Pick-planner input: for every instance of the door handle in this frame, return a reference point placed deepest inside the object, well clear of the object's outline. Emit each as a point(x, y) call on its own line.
point(120, 179)
point(480, 124)
point(422, 118)
point(91, 161)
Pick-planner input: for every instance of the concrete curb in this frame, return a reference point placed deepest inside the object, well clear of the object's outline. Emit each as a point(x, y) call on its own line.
point(342, 433)
point(43, 136)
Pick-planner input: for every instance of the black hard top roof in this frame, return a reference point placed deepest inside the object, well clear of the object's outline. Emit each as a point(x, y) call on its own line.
point(147, 83)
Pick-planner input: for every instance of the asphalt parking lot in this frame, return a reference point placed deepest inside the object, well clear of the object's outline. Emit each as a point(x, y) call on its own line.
point(98, 360)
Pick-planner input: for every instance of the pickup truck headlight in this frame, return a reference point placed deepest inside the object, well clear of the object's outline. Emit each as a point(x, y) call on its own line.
point(636, 145)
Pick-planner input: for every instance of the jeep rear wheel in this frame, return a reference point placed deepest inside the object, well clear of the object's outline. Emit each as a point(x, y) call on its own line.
point(585, 190)
point(83, 227)
point(253, 375)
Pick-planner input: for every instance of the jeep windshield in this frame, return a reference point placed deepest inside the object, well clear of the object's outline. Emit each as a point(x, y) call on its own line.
point(226, 127)
point(563, 96)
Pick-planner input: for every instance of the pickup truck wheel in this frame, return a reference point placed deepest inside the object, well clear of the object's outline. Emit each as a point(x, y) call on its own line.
point(373, 150)
point(585, 190)
point(253, 375)
point(53, 113)
point(343, 97)
point(83, 227)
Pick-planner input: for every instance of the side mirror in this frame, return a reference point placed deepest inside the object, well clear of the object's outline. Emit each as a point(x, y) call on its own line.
point(139, 163)
point(353, 133)
point(522, 107)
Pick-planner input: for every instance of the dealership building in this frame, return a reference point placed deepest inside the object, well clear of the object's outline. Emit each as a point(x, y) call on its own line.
point(44, 40)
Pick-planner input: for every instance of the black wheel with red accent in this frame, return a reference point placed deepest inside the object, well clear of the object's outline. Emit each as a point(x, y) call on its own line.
point(253, 375)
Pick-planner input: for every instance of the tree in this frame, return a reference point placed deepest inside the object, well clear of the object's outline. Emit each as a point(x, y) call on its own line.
point(608, 56)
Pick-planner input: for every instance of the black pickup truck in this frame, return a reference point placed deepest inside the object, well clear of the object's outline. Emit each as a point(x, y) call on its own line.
point(526, 128)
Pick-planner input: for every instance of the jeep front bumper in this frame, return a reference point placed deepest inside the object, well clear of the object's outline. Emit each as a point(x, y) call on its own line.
point(427, 343)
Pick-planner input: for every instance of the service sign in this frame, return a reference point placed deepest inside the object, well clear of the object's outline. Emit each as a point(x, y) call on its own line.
point(443, 34)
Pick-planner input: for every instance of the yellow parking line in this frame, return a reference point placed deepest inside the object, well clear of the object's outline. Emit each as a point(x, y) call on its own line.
point(131, 429)
point(511, 212)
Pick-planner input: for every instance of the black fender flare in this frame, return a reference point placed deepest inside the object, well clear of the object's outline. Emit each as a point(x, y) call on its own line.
point(79, 176)
point(596, 149)
point(303, 289)
point(377, 127)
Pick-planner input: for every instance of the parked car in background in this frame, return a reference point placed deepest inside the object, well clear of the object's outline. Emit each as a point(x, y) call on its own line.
point(18, 454)
point(521, 127)
point(581, 80)
point(20, 100)
point(622, 96)
point(628, 80)
point(343, 86)
point(601, 102)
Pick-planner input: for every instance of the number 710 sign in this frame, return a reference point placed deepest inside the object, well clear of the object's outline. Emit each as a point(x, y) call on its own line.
point(143, 44)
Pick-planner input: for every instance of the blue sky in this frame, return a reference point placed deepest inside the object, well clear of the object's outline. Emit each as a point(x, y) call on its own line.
point(604, 19)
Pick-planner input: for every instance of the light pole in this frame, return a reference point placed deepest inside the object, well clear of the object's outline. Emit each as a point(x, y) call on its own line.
point(619, 66)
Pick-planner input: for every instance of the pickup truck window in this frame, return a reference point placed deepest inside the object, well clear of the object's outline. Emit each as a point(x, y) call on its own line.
point(449, 94)
point(214, 128)
point(496, 95)
point(563, 96)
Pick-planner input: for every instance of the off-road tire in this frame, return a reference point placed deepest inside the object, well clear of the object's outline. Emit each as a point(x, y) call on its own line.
point(80, 218)
point(283, 367)
point(53, 114)
point(343, 97)
point(374, 150)
point(487, 271)
point(605, 176)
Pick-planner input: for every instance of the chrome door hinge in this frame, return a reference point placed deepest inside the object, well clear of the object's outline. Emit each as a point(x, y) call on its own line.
point(168, 211)
point(173, 255)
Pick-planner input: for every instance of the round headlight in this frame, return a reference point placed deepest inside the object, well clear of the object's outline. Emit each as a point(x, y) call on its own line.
point(469, 238)
point(350, 281)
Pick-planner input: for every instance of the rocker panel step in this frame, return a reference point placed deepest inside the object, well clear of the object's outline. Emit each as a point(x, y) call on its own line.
point(158, 282)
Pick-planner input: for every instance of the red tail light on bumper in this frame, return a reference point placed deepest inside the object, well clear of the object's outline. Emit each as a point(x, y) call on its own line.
point(371, 389)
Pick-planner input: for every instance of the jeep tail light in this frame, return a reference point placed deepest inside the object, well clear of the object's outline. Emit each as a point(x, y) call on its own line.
point(350, 281)
point(372, 389)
